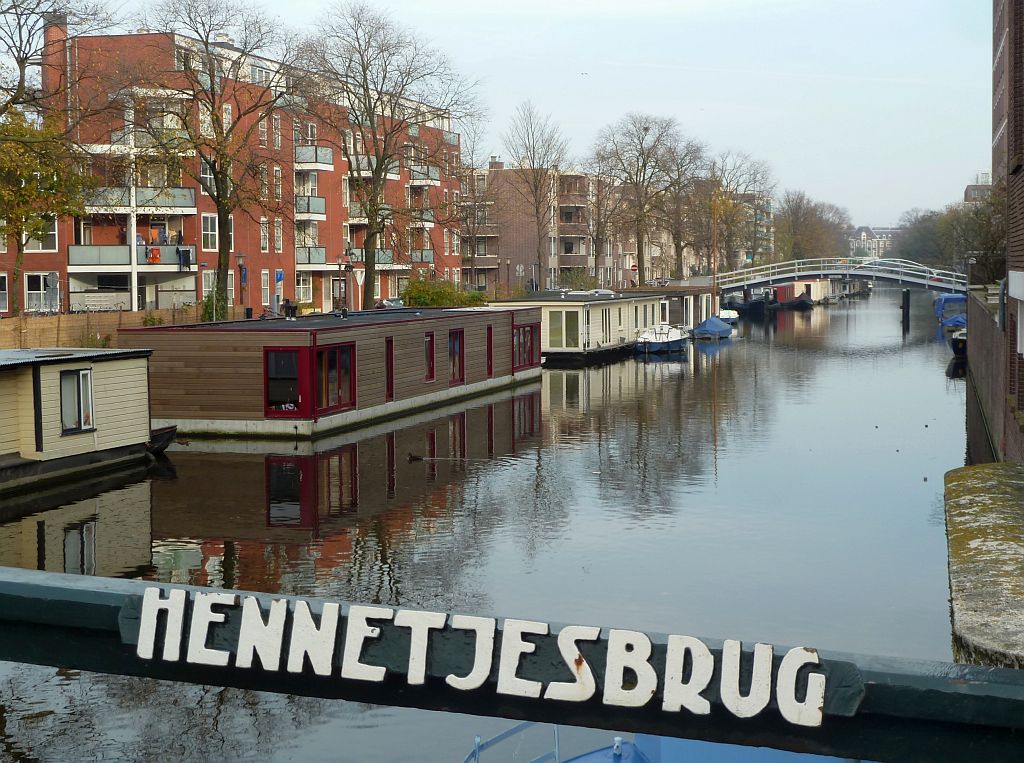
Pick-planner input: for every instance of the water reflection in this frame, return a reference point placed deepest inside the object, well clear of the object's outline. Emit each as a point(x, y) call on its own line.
point(779, 486)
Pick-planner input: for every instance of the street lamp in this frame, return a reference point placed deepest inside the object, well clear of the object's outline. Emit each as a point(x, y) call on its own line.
point(344, 268)
point(242, 277)
point(508, 273)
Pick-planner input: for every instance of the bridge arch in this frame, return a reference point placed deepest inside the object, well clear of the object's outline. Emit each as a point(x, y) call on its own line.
point(892, 270)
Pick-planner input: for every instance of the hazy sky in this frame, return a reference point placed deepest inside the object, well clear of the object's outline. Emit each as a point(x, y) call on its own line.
point(875, 105)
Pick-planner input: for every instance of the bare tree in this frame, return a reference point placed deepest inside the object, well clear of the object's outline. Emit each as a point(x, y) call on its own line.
point(684, 162)
point(233, 67)
point(537, 150)
point(377, 84)
point(806, 228)
point(605, 204)
point(473, 215)
point(636, 145)
point(40, 70)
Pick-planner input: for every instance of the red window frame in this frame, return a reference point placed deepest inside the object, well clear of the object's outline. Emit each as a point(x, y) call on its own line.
point(389, 368)
point(352, 382)
point(456, 357)
point(304, 408)
point(429, 354)
point(525, 346)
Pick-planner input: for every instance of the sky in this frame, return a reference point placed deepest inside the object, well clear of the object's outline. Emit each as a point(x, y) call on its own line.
point(878, 106)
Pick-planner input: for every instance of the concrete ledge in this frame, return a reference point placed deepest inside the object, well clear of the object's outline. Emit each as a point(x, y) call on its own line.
point(985, 532)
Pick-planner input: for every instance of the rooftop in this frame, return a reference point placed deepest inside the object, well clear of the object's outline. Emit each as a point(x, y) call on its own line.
point(598, 295)
point(47, 355)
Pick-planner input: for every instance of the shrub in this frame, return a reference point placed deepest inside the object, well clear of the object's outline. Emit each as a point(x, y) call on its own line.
point(421, 292)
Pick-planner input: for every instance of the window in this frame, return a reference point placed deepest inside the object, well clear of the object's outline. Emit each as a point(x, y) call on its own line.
point(262, 131)
point(572, 328)
point(205, 120)
point(4, 296)
point(428, 356)
point(231, 233)
point(376, 286)
point(303, 287)
point(37, 296)
point(210, 283)
point(344, 192)
point(265, 287)
point(526, 346)
point(335, 377)
point(210, 238)
point(555, 328)
point(296, 132)
point(278, 235)
point(260, 76)
point(275, 127)
point(205, 175)
point(311, 133)
point(277, 183)
point(76, 413)
point(226, 116)
point(264, 234)
point(47, 242)
point(282, 383)
point(456, 357)
point(264, 182)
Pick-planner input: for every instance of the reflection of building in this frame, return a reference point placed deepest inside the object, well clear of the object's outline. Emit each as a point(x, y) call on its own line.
point(108, 535)
point(266, 522)
point(317, 374)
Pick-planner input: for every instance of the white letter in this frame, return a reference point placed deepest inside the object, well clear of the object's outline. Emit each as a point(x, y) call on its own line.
point(307, 639)
point(257, 636)
point(629, 649)
point(583, 687)
point(174, 605)
point(482, 655)
point(356, 632)
point(512, 647)
point(808, 712)
point(678, 694)
point(202, 617)
point(420, 623)
point(760, 680)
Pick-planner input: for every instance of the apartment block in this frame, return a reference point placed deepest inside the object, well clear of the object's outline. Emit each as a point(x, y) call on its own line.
point(149, 234)
point(871, 242)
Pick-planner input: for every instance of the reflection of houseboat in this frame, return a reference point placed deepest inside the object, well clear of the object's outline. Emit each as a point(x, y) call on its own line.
point(323, 373)
point(580, 326)
point(70, 413)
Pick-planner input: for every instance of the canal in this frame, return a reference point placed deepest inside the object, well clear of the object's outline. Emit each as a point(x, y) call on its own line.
point(784, 487)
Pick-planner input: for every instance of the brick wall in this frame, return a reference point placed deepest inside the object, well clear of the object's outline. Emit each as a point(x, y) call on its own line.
point(89, 329)
point(989, 363)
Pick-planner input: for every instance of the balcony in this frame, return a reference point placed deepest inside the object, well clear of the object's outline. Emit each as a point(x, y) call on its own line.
point(422, 255)
point(147, 138)
point(310, 208)
point(422, 218)
point(314, 158)
point(363, 166)
point(424, 174)
point(383, 256)
point(357, 215)
point(572, 230)
point(99, 255)
point(150, 200)
point(482, 261)
point(451, 138)
point(572, 199)
point(164, 254)
point(310, 255)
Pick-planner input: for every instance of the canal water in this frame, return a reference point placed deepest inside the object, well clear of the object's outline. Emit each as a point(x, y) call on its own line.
point(785, 486)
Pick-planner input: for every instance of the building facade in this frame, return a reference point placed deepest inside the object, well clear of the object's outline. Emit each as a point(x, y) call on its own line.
point(149, 234)
point(872, 242)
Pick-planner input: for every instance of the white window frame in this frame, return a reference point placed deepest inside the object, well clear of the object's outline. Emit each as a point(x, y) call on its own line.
point(265, 287)
point(278, 235)
point(225, 113)
point(344, 192)
point(210, 280)
point(278, 182)
point(5, 296)
point(205, 173)
point(264, 234)
point(212, 232)
point(42, 306)
point(262, 131)
point(303, 286)
point(376, 285)
point(205, 119)
point(275, 125)
point(231, 233)
point(84, 401)
point(36, 245)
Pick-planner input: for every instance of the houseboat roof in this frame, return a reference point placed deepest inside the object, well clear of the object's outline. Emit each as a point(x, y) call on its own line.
point(597, 295)
point(321, 321)
point(48, 355)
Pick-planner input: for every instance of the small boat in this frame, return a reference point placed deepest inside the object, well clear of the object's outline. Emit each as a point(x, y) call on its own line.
point(660, 338)
point(729, 316)
point(948, 305)
point(958, 343)
point(955, 322)
point(712, 329)
point(160, 438)
point(799, 302)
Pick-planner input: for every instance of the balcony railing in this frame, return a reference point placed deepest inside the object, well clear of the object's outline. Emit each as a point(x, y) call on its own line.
point(423, 215)
point(99, 254)
point(356, 211)
point(310, 255)
point(422, 255)
point(119, 196)
point(424, 173)
point(451, 138)
point(362, 165)
point(146, 138)
point(383, 256)
point(310, 205)
point(314, 155)
point(164, 254)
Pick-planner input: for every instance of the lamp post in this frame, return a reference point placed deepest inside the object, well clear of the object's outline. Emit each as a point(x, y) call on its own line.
point(508, 274)
point(343, 273)
point(242, 278)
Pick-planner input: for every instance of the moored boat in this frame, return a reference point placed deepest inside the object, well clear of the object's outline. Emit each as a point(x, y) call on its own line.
point(660, 338)
point(799, 302)
point(729, 316)
point(958, 343)
point(160, 438)
point(712, 329)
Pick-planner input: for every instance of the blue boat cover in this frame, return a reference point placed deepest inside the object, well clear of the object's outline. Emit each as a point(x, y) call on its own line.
point(629, 754)
point(713, 327)
point(955, 321)
point(943, 300)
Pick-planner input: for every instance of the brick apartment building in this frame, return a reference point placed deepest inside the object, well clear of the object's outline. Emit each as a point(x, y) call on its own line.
point(876, 242)
point(149, 235)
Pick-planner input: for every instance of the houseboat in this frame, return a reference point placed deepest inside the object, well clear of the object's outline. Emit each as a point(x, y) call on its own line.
point(67, 414)
point(589, 326)
point(324, 373)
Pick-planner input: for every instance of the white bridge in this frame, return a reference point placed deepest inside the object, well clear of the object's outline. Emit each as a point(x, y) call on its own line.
point(896, 271)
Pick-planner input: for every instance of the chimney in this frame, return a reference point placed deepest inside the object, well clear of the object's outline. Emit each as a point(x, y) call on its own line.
point(54, 63)
point(495, 164)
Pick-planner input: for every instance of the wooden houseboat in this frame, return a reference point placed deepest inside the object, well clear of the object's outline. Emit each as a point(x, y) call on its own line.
point(584, 326)
point(70, 413)
point(319, 374)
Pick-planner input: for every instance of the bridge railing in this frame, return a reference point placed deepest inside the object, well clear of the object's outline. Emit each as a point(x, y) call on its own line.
point(892, 269)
